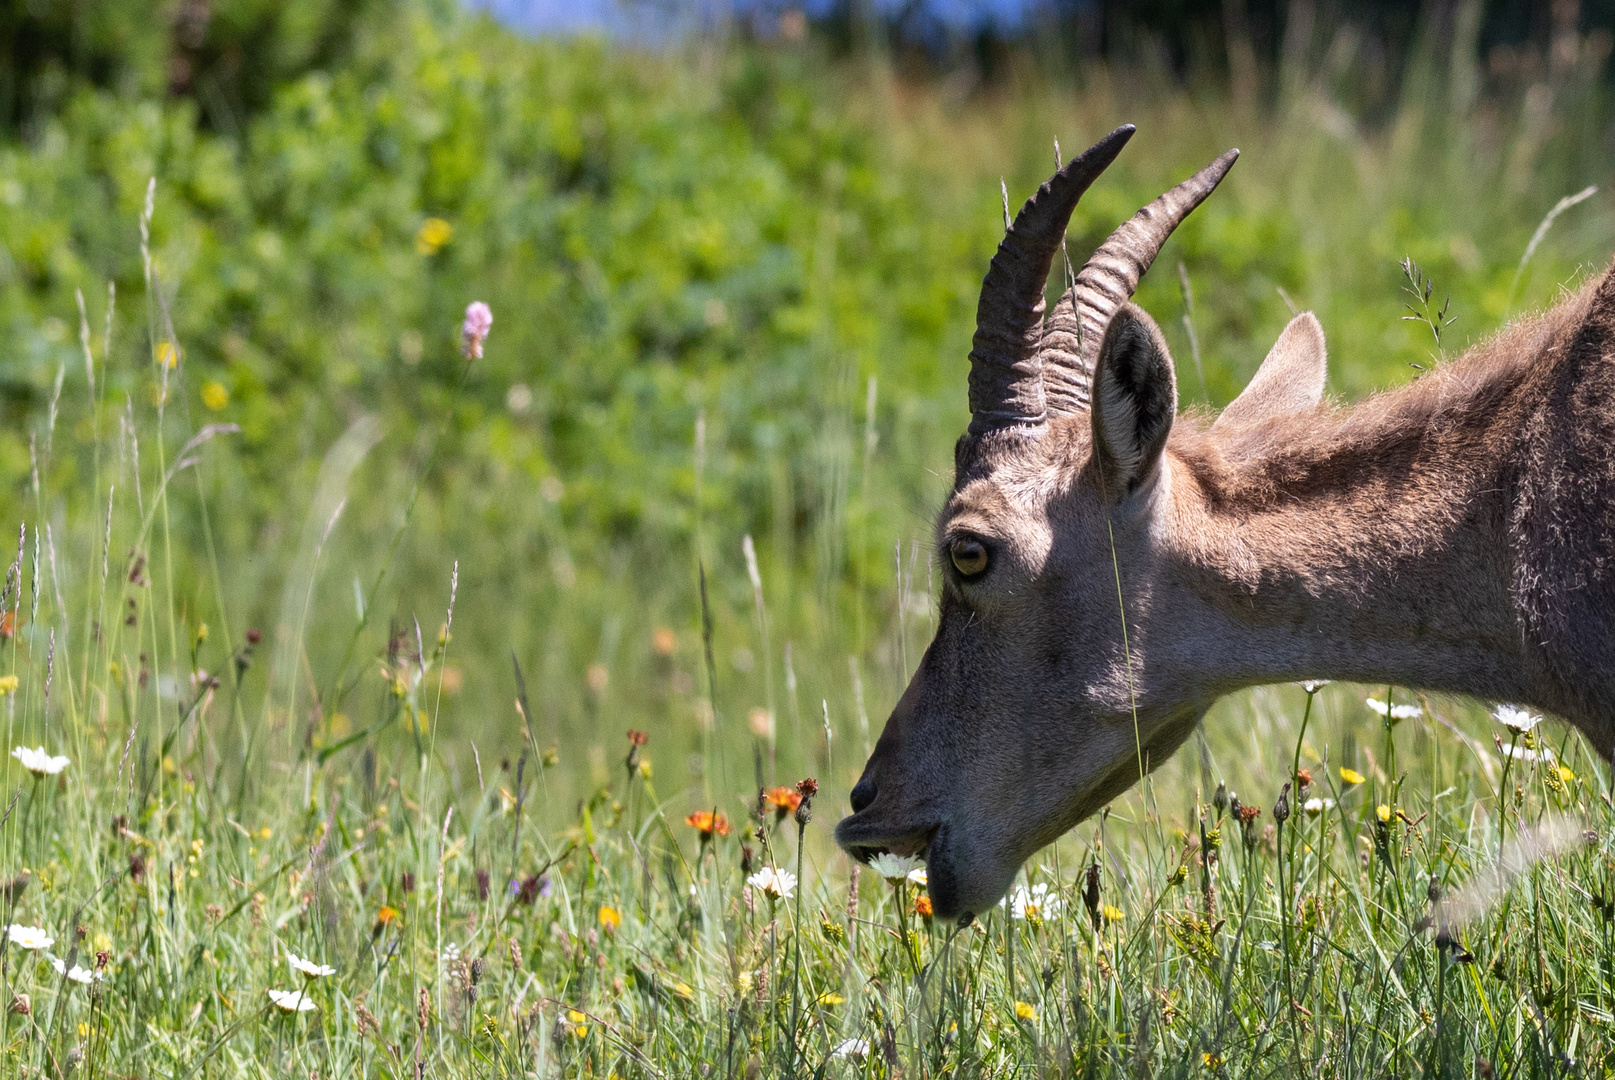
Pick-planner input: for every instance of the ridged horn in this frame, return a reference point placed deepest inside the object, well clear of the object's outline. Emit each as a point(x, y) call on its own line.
point(1071, 336)
point(1006, 381)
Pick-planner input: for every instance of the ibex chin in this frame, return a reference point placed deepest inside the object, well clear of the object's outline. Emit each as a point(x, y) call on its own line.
point(1111, 569)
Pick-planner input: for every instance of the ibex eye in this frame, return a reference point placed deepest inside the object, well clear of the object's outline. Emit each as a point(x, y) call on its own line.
point(969, 556)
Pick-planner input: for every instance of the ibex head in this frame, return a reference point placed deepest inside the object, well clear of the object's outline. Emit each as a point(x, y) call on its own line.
point(1036, 703)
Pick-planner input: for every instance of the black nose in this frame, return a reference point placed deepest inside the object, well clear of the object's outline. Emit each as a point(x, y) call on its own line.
point(862, 795)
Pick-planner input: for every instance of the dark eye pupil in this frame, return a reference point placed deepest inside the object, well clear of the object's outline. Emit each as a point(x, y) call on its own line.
point(969, 557)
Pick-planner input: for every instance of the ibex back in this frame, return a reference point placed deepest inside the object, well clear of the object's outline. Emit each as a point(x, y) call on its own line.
point(1111, 569)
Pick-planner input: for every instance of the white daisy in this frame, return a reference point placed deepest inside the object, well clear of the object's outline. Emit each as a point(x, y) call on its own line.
point(775, 882)
point(39, 762)
point(1515, 718)
point(894, 868)
point(292, 1001)
point(1521, 753)
point(919, 879)
point(1312, 686)
point(1396, 713)
point(1316, 806)
point(1036, 902)
point(75, 973)
point(308, 968)
point(29, 937)
point(851, 1048)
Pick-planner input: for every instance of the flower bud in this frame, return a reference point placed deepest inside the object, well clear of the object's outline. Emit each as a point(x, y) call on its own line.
point(807, 788)
point(1281, 809)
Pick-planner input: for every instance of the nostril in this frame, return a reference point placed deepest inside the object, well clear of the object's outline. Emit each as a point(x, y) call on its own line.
point(862, 795)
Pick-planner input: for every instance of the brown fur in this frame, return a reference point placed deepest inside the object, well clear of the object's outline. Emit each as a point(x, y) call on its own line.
point(1457, 535)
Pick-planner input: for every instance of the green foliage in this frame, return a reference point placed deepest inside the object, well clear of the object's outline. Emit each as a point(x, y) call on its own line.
point(230, 56)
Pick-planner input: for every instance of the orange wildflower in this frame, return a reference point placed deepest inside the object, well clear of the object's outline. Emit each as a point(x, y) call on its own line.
point(784, 800)
point(922, 906)
point(706, 823)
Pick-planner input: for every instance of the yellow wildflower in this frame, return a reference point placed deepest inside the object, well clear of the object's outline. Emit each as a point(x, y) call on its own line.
point(1565, 774)
point(167, 357)
point(1351, 776)
point(830, 997)
point(610, 918)
point(576, 1019)
point(1023, 1011)
point(1112, 913)
point(214, 395)
point(8, 685)
point(433, 235)
point(1383, 812)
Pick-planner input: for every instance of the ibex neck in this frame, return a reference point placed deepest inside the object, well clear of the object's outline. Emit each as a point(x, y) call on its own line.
point(1369, 546)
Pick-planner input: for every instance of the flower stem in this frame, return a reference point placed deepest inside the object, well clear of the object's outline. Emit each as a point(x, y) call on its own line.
point(1502, 791)
point(1287, 856)
point(796, 965)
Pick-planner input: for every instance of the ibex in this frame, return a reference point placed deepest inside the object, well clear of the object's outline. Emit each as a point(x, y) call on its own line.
point(1111, 569)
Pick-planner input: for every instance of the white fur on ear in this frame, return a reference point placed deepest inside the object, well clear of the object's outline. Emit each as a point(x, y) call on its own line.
point(1135, 400)
point(1289, 381)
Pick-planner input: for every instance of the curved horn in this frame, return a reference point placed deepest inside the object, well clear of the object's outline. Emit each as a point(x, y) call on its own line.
point(1006, 382)
point(1106, 282)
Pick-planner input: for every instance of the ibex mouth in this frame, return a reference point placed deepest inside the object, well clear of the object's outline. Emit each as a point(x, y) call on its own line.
point(910, 844)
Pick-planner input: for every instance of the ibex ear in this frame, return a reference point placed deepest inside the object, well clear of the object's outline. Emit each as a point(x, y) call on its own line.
point(1290, 380)
point(1135, 399)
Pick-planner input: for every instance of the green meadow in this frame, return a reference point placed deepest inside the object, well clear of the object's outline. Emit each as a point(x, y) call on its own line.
point(480, 681)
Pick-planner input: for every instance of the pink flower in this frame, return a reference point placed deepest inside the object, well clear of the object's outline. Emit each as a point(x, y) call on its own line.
point(478, 321)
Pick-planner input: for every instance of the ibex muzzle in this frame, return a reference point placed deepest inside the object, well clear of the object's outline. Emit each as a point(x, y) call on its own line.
point(1111, 569)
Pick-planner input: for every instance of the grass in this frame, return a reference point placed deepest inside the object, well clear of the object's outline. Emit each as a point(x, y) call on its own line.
point(420, 772)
